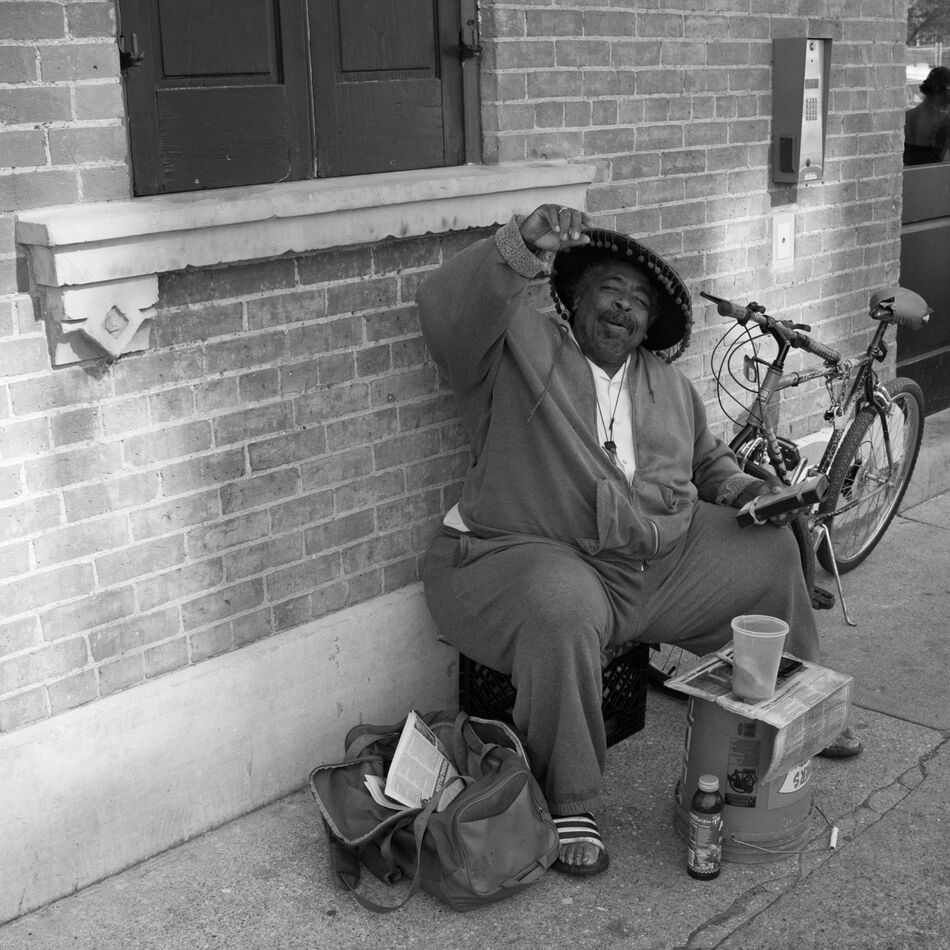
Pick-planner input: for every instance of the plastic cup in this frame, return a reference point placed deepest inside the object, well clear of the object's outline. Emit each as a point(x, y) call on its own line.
point(757, 645)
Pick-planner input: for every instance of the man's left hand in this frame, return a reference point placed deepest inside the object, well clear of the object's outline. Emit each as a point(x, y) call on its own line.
point(771, 485)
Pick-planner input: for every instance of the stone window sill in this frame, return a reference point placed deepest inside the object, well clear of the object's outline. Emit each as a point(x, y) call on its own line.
point(96, 266)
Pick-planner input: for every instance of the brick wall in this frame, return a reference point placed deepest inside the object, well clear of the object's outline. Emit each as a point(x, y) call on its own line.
point(284, 448)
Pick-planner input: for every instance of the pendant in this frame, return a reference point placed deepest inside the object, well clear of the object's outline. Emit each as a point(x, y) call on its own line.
point(610, 446)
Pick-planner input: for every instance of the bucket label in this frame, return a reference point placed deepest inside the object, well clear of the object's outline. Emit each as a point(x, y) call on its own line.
point(742, 773)
point(796, 779)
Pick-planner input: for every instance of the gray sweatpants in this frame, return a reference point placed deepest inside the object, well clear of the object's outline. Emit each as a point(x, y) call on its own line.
point(543, 612)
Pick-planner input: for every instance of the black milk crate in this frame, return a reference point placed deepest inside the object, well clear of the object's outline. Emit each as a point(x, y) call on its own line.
point(486, 692)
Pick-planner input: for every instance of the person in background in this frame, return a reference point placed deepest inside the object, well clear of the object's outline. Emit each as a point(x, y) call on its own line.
point(599, 507)
point(927, 125)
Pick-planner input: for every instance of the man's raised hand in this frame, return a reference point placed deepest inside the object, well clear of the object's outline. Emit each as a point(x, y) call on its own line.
point(555, 227)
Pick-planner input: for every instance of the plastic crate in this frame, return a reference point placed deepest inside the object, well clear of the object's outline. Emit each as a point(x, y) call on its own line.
point(486, 692)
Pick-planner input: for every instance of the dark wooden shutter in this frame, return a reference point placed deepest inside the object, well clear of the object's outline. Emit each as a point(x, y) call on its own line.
point(220, 96)
point(387, 85)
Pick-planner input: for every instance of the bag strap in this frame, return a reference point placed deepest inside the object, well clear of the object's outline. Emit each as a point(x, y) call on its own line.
point(344, 860)
point(419, 825)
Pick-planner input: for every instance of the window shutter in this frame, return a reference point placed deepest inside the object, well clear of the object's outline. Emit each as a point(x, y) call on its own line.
point(387, 85)
point(219, 97)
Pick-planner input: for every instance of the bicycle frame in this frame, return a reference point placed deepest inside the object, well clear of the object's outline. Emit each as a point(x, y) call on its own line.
point(864, 390)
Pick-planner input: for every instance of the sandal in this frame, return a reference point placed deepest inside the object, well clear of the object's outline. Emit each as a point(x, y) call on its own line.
point(846, 746)
point(579, 829)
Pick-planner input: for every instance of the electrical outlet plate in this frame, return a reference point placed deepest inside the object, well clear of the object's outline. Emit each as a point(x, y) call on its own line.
point(783, 240)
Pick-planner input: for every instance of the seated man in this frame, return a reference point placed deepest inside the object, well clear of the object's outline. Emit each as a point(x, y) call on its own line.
point(597, 506)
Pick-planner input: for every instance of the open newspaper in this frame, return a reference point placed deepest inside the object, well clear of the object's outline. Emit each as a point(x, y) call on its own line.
point(809, 710)
point(419, 769)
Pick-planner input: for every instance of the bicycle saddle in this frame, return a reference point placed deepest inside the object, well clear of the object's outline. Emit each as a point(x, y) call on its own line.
point(901, 306)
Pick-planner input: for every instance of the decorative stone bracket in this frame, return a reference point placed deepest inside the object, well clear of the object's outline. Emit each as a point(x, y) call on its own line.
point(95, 267)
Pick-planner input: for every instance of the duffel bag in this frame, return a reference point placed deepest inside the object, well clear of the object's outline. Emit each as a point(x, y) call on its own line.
point(494, 838)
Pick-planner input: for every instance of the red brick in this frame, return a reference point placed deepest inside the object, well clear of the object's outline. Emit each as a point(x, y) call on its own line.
point(73, 691)
point(70, 386)
point(122, 416)
point(369, 491)
point(197, 323)
point(340, 400)
point(252, 627)
point(140, 559)
point(211, 642)
point(404, 511)
point(185, 581)
point(110, 495)
point(405, 448)
point(33, 20)
point(367, 294)
point(11, 482)
point(18, 63)
point(87, 613)
point(18, 635)
point(278, 309)
point(222, 603)
point(49, 662)
point(339, 532)
point(133, 634)
point(333, 469)
point(167, 444)
point(33, 592)
point(156, 369)
point(263, 557)
point(33, 105)
point(302, 577)
point(88, 463)
point(121, 674)
point(333, 265)
point(79, 425)
point(210, 539)
point(174, 515)
point(245, 351)
point(24, 439)
point(77, 61)
point(90, 19)
point(21, 710)
point(30, 517)
point(361, 587)
point(109, 183)
point(375, 551)
point(23, 149)
point(342, 333)
point(260, 386)
point(427, 412)
point(252, 423)
point(258, 491)
point(37, 189)
point(374, 361)
point(165, 658)
point(218, 469)
point(369, 427)
point(286, 449)
point(302, 511)
point(524, 54)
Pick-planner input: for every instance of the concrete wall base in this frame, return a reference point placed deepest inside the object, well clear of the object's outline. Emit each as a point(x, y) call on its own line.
point(88, 793)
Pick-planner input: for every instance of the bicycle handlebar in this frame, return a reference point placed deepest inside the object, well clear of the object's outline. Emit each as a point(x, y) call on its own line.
point(784, 330)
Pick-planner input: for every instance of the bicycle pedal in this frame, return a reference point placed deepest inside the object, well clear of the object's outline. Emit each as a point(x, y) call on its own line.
point(822, 599)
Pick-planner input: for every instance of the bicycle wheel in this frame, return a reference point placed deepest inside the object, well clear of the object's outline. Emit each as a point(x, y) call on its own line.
point(863, 489)
point(667, 659)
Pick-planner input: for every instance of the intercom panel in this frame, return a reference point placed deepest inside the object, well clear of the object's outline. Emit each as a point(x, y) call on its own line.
point(801, 67)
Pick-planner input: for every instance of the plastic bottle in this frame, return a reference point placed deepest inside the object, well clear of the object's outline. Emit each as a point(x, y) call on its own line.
point(704, 855)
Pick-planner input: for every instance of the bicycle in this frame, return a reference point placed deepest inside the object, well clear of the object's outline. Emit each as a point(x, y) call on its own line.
point(867, 462)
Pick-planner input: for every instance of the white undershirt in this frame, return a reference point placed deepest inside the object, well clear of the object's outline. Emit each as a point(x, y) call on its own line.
point(609, 391)
point(615, 391)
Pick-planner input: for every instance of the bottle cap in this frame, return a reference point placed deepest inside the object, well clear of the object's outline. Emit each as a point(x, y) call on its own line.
point(709, 783)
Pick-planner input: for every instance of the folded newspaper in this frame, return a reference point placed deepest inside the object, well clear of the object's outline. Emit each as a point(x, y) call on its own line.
point(419, 769)
point(809, 710)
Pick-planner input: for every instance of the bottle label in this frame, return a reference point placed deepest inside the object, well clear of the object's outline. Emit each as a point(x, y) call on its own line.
point(705, 843)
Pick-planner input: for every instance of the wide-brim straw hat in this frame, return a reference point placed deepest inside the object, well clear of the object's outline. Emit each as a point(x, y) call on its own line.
point(669, 334)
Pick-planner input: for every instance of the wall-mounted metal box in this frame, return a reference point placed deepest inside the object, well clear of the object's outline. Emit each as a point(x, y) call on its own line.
point(801, 68)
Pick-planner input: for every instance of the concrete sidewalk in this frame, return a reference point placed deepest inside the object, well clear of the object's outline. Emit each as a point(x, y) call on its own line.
point(261, 882)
